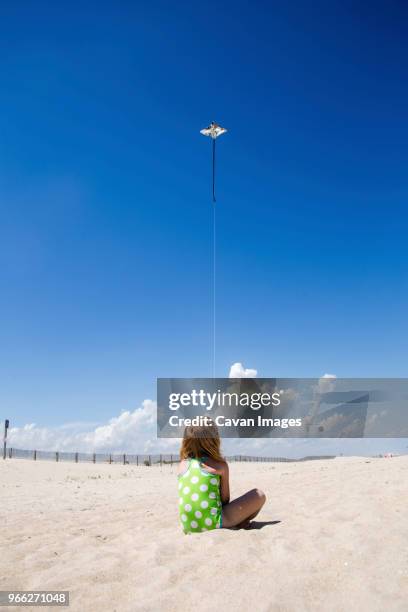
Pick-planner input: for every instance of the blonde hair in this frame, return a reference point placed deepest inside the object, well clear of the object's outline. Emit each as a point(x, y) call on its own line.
point(201, 441)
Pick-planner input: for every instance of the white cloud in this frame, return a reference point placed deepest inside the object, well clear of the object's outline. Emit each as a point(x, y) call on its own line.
point(237, 370)
point(327, 383)
point(135, 432)
point(131, 431)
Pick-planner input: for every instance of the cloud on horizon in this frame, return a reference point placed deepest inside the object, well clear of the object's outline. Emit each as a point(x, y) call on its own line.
point(132, 431)
point(135, 432)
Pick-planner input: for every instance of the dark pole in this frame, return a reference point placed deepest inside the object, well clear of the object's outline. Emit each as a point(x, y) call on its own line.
point(6, 426)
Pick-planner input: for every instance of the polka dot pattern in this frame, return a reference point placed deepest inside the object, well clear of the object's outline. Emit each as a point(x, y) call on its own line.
point(199, 499)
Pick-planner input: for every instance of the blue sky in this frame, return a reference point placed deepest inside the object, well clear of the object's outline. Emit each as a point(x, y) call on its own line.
point(105, 233)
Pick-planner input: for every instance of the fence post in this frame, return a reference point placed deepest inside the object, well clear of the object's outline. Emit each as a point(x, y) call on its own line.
point(10, 453)
point(57, 456)
point(110, 458)
point(124, 459)
point(137, 459)
point(150, 460)
point(35, 455)
point(160, 460)
point(6, 426)
point(93, 457)
point(76, 457)
point(171, 460)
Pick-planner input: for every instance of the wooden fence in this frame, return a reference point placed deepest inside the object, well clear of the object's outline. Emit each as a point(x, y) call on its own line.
point(135, 459)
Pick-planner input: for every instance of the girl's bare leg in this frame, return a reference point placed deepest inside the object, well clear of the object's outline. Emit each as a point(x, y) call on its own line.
point(239, 512)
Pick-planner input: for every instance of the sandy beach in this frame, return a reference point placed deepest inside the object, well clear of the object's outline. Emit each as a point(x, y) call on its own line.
point(333, 536)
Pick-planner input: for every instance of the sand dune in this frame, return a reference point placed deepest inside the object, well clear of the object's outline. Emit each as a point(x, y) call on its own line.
point(110, 535)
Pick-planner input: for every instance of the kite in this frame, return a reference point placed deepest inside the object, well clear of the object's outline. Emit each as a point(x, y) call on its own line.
point(213, 131)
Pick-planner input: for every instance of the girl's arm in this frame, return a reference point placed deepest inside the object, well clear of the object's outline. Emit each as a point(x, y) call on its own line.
point(224, 487)
point(223, 471)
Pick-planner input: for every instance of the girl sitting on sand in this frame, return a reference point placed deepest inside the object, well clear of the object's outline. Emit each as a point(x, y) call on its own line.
point(204, 485)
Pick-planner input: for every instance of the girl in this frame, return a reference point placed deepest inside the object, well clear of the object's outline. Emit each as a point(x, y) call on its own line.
point(204, 485)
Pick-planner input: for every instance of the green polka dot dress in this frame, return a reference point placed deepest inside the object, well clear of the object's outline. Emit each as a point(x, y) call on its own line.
point(200, 499)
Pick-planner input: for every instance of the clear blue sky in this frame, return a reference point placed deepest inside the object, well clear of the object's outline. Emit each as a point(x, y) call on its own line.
point(105, 220)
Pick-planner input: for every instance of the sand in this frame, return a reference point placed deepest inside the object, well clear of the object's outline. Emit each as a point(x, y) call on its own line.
point(337, 538)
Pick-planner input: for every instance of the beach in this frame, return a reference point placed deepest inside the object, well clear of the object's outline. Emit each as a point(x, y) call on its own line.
point(333, 536)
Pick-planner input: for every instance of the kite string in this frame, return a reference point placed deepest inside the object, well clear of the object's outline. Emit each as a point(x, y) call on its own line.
point(214, 263)
point(214, 285)
point(213, 168)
